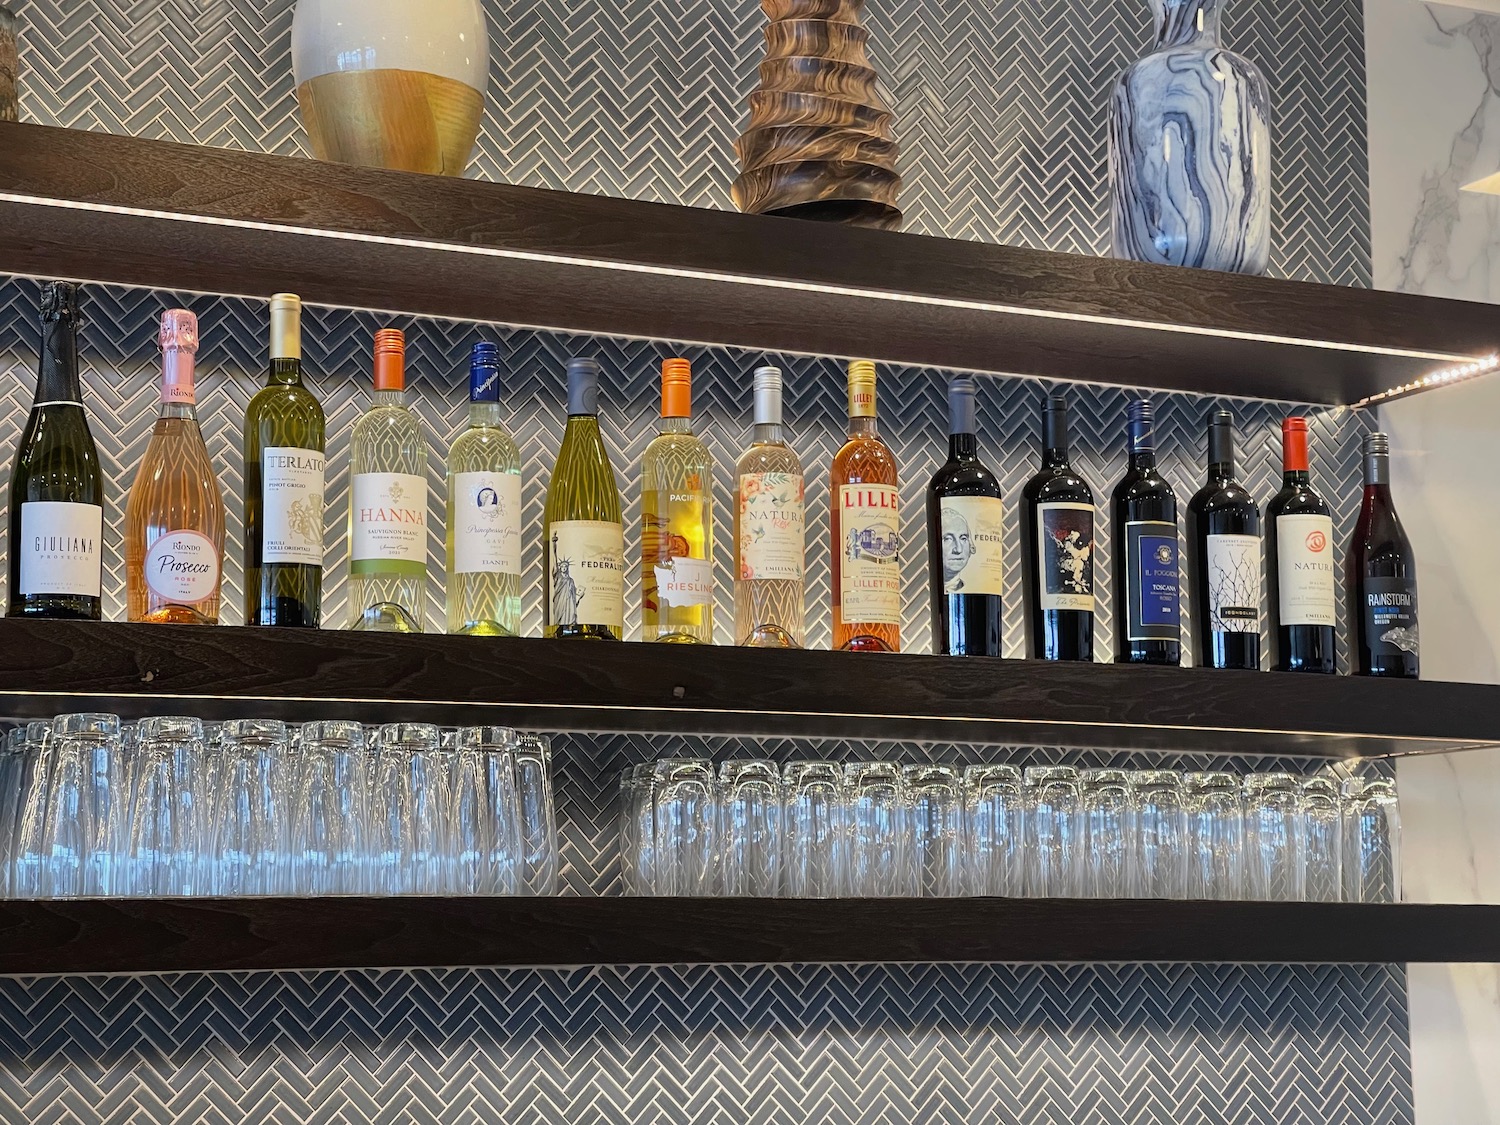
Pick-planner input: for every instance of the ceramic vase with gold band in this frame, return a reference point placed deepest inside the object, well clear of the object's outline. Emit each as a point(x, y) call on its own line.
point(392, 83)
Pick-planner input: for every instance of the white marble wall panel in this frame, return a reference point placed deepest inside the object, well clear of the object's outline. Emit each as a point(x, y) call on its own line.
point(1434, 112)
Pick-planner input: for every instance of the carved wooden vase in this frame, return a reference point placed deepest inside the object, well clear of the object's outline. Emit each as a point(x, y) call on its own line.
point(820, 143)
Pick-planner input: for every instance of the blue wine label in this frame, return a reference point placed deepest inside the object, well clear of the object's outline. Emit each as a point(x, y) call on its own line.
point(1390, 609)
point(1153, 581)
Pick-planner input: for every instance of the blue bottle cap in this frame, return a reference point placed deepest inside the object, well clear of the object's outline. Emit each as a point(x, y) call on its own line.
point(583, 386)
point(484, 373)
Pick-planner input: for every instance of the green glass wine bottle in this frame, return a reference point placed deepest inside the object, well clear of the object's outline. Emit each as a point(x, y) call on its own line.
point(284, 462)
point(583, 538)
point(56, 487)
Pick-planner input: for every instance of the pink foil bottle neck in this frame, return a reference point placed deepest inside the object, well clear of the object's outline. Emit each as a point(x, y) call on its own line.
point(179, 344)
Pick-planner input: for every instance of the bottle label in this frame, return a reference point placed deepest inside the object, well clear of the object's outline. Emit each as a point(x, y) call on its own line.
point(1065, 556)
point(1304, 550)
point(486, 523)
point(1234, 583)
point(389, 524)
point(672, 575)
point(291, 488)
point(59, 548)
point(587, 583)
point(870, 571)
point(685, 581)
point(972, 545)
point(1153, 581)
point(182, 567)
point(1390, 609)
point(772, 527)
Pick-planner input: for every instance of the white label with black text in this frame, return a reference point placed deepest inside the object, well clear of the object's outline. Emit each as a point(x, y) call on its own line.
point(182, 567)
point(291, 487)
point(59, 548)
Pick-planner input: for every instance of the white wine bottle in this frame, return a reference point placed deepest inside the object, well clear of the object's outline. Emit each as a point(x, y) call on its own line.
point(484, 512)
point(677, 521)
point(388, 502)
point(583, 539)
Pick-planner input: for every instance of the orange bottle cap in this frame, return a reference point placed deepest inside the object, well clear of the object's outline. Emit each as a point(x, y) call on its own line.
point(390, 360)
point(676, 388)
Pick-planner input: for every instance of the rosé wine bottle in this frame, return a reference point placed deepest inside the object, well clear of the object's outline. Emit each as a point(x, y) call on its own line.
point(174, 518)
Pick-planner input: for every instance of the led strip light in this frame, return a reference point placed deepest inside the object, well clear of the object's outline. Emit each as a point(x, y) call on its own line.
point(729, 278)
point(1461, 373)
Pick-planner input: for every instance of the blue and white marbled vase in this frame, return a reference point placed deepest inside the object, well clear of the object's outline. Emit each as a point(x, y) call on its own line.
point(1190, 149)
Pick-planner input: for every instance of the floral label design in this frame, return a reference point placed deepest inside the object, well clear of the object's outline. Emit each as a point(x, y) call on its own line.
point(772, 527)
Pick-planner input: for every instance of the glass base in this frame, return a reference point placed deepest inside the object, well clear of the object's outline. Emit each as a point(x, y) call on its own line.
point(386, 617)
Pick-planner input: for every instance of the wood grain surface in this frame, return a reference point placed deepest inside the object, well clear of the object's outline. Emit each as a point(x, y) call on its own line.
point(185, 935)
point(50, 667)
point(771, 284)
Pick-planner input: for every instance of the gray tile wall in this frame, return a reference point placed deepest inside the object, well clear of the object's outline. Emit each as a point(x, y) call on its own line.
point(1000, 118)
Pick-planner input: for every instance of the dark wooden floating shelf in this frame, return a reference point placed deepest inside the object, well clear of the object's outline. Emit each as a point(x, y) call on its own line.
point(184, 935)
point(48, 667)
point(96, 207)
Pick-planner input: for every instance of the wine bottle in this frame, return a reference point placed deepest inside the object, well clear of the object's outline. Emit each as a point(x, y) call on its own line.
point(1148, 578)
point(1058, 564)
point(677, 521)
point(284, 463)
point(56, 486)
point(1383, 576)
point(769, 529)
point(1223, 529)
point(1299, 548)
point(964, 539)
point(866, 529)
point(583, 539)
point(388, 502)
point(174, 517)
point(484, 512)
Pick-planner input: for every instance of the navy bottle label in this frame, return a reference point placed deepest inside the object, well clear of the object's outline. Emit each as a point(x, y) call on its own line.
point(1065, 549)
point(1390, 609)
point(1153, 580)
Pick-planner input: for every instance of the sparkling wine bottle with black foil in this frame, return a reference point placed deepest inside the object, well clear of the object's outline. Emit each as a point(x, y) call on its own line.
point(56, 486)
point(964, 539)
point(284, 469)
point(1223, 531)
point(1147, 570)
point(1058, 563)
point(1299, 563)
point(1382, 577)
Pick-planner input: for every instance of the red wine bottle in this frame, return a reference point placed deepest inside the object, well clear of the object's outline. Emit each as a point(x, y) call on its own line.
point(1148, 574)
point(1383, 576)
point(1223, 530)
point(964, 539)
point(1058, 564)
point(1300, 551)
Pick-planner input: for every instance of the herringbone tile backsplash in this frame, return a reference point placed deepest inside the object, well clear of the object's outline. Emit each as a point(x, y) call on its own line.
point(1000, 114)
